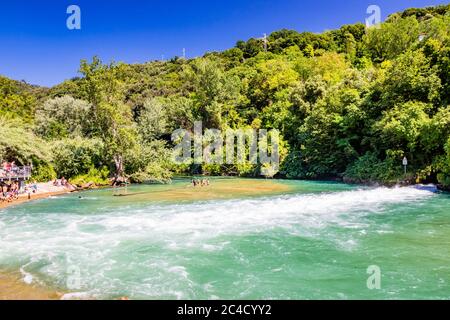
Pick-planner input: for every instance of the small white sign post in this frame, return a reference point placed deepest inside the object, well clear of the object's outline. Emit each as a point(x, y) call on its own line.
point(405, 163)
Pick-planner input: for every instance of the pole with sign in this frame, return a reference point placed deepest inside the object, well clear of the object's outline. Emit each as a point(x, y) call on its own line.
point(405, 163)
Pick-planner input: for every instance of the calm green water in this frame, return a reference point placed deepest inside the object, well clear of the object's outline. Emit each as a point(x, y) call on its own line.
point(314, 242)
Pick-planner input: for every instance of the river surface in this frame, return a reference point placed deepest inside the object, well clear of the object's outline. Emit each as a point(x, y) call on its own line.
point(237, 239)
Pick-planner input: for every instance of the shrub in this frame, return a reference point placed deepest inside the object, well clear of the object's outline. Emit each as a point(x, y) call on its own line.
point(43, 172)
point(75, 157)
point(369, 168)
point(96, 176)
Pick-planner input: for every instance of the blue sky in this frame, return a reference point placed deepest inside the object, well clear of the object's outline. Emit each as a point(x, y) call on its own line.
point(36, 46)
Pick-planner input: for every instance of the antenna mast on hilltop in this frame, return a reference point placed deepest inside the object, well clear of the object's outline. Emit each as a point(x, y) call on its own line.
point(265, 42)
point(184, 53)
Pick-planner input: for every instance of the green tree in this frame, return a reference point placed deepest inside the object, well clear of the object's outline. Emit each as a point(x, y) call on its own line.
point(76, 156)
point(62, 117)
point(392, 37)
point(153, 120)
point(102, 85)
point(215, 91)
point(17, 99)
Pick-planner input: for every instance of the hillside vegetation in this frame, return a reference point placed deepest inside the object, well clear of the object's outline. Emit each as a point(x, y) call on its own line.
point(349, 103)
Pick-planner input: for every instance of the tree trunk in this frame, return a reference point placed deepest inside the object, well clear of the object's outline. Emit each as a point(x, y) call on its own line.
point(118, 161)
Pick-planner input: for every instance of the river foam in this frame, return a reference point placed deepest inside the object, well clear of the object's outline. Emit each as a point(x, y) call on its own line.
point(214, 218)
point(109, 243)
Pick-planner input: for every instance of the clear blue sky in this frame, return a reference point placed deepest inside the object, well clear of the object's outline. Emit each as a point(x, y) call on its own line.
point(36, 46)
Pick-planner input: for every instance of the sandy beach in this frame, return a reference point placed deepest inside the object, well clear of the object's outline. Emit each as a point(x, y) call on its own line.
point(12, 287)
point(44, 190)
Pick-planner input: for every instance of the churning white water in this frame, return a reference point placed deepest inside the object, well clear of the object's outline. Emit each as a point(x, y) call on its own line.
point(147, 251)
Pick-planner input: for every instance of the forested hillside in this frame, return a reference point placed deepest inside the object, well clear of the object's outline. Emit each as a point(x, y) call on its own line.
point(349, 103)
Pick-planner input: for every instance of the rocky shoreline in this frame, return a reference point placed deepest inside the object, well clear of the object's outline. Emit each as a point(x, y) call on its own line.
point(399, 183)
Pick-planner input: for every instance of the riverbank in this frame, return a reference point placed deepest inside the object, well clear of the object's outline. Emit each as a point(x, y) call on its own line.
point(12, 287)
point(393, 184)
point(44, 190)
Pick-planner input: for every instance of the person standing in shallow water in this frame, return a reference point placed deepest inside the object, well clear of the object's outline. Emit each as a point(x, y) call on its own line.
point(4, 191)
point(200, 182)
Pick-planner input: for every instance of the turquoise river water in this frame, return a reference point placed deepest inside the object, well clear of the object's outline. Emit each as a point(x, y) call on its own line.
point(304, 240)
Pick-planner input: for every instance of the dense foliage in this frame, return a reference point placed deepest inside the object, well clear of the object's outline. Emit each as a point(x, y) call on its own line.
point(349, 103)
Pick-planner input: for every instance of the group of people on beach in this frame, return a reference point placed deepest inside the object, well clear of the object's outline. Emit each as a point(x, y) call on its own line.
point(60, 182)
point(11, 191)
point(12, 182)
point(200, 182)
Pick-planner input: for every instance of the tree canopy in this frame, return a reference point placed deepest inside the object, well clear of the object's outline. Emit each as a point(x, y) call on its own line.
point(348, 103)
